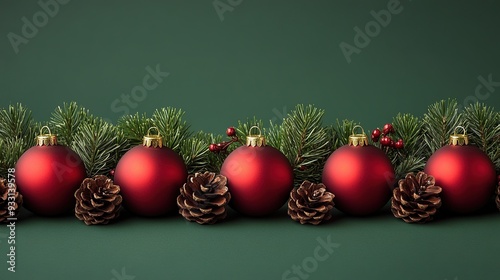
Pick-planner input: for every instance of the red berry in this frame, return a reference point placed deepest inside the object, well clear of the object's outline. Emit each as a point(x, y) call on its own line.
point(376, 135)
point(385, 141)
point(391, 144)
point(231, 131)
point(213, 148)
point(388, 128)
point(112, 172)
point(399, 144)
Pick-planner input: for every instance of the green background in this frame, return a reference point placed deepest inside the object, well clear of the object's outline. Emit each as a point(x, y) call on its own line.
point(259, 58)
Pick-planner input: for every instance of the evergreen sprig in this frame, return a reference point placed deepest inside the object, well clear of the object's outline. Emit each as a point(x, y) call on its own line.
point(171, 126)
point(339, 133)
point(66, 120)
point(195, 153)
point(483, 128)
point(412, 157)
point(304, 141)
point(135, 127)
point(10, 151)
point(439, 123)
point(18, 130)
point(17, 122)
point(97, 144)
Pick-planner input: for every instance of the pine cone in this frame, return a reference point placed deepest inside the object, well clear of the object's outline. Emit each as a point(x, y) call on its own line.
point(497, 198)
point(416, 199)
point(6, 197)
point(98, 201)
point(203, 198)
point(310, 203)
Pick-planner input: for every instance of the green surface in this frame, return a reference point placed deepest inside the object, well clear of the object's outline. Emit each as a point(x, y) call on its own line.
point(262, 59)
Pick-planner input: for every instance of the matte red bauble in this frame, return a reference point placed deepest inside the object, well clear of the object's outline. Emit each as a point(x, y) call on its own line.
point(150, 177)
point(259, 177)
point(360, 176)
point(47, 175)
point(465, 173)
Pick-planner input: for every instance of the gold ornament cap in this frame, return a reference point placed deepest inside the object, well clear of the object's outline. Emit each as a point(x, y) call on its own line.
point(154, 141)
point(358, 139)
point(255, 140)
point(459, 139)
point(46, 139)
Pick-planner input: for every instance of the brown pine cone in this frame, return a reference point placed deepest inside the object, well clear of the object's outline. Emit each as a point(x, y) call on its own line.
point(310, 203)
point(98, 201)
point(9, 207)
point(416, 199)
point(497, 198)
point(204, 197)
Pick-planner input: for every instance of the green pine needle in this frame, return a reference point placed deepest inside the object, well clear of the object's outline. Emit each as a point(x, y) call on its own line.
point(172, 127)
point(96, 142)
point(66, 120)
point(135, 127)
point(11, 149)
point(304, 141)
point(439, 123)
point(339, 133)
point(483, 129)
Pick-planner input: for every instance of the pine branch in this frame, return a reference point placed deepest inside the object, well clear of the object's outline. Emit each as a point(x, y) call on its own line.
point(96, 142)
point(195, 152)
point(412, 157)
point(172, 127)
point(15, 122)
point(17, 134)
point(440, 121)
point(66, 121)
point(134, 127)
point(339, 133)
point(483, 129)
point(304, 141)
point(11, 149)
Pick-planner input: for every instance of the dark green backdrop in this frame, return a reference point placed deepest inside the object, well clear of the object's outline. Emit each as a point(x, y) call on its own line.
point(251, 58)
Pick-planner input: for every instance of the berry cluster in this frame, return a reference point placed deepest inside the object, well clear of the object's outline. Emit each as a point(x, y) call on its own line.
point(386, 140)
point(222, 146)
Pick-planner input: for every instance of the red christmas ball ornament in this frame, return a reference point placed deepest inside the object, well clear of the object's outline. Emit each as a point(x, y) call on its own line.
point(150, 177)
point(47, 175)
point(360, 175)
point(259, 177)
point(465, 173)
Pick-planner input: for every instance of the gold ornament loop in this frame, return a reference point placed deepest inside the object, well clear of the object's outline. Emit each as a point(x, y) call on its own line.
point(459, 139)
point(255, 140)
point(155, 141)
point(46, 139)
point(358, 139)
